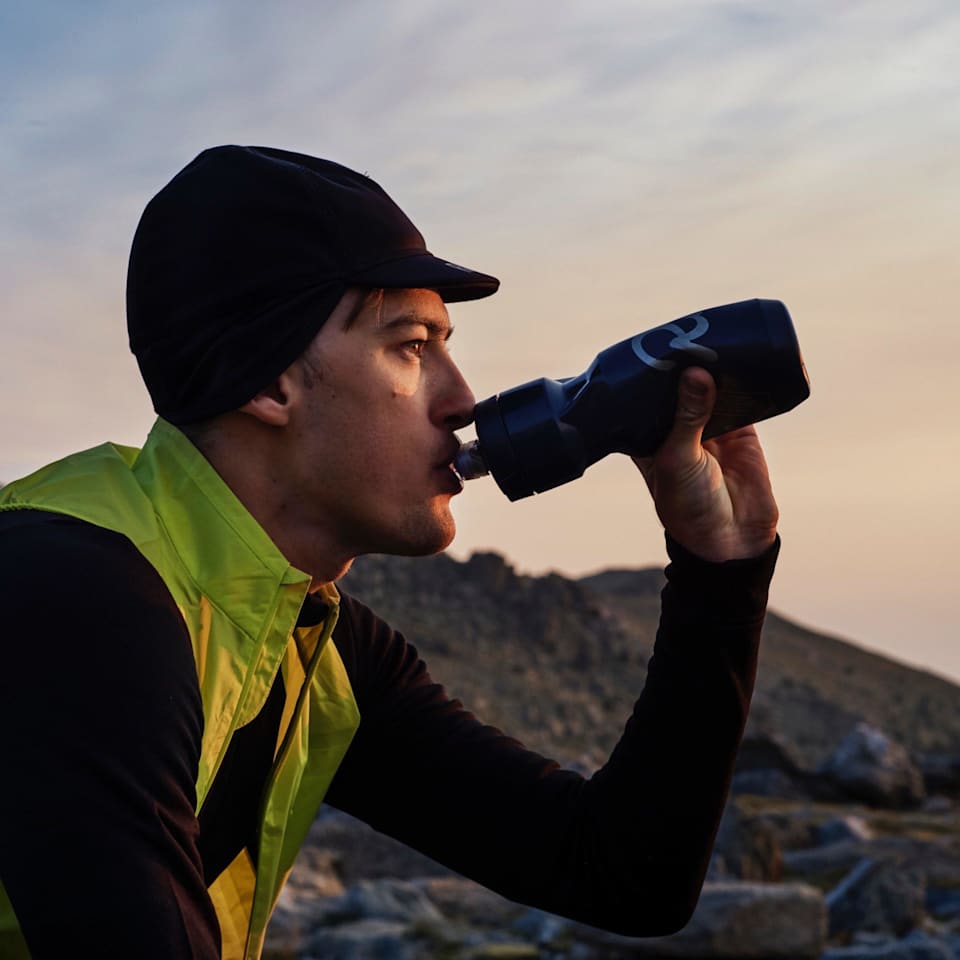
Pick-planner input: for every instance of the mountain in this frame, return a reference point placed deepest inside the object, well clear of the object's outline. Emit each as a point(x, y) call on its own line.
point(558, 662)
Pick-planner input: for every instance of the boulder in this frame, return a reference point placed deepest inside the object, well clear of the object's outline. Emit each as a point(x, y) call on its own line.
point(768, 782)
point(824, 866)
point(290, 926)
point(879, 897)
point(364, 940)
point(941, 773)
point(301, 904)
point(943, 905)
point(746, 848)
point(400, 901)
point(766, 767)
point(543, 929)
point(465, 902)
point(372, 918)
point(795, 828)
point(746, 921)
point(504, 950)
point(918, 946)
point(839, 829)
point(766, 751)
point(942, 870)
point(870, 767)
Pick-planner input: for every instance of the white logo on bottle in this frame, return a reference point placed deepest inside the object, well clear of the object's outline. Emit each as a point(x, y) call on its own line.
point(682, 340)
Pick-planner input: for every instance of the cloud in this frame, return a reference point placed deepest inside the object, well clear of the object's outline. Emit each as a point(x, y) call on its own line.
point(617, 163)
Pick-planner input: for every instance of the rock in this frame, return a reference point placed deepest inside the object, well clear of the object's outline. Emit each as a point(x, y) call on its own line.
point(369, 916)
point(823, 866)
point(767, 783)
point(942, 868)
point(765, 751)
point(878, 896)
point(318, 873)
point(870, 767)
point(918, 946)
point(766, 767)
point(941, 773)
point(543, 929)
point(943, 904)
point(463, 901)
point(364, 940)
point(401, 901)
point(504, 950)
point(773, 921)
point(849, 827)
point(289, 928)
point(928, 947)
point(746, 848)
point(795, 828)
point(300, 908)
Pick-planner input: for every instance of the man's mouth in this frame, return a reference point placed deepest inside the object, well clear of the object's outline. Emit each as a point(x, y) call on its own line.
point(448, 464)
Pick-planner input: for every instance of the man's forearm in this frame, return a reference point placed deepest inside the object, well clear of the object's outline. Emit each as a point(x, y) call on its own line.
point(627, 849)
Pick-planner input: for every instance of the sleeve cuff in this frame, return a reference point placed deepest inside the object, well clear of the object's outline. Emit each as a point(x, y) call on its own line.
point(699, 591)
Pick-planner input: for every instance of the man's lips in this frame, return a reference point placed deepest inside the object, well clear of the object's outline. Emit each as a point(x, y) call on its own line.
point(446, 466)
point(446, 461)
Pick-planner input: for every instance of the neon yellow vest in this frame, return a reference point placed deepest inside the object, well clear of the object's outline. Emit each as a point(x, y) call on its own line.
point(240, 600)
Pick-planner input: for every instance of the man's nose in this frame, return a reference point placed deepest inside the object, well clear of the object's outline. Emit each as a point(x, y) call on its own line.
point(455, 409)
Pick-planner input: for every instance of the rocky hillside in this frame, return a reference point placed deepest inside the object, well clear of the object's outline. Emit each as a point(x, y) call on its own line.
point(558, 662)
point(835, 844)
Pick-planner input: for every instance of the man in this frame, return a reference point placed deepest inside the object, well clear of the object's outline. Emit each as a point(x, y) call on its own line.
point(183, 685)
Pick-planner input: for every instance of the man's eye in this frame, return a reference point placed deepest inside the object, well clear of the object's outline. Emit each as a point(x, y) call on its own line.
point(415, 347)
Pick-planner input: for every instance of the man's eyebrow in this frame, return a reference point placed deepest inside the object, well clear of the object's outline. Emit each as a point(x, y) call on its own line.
point(442, 330)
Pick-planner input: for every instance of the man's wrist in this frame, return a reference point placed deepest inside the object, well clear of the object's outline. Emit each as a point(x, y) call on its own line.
point(761, 553)
point(707, 592)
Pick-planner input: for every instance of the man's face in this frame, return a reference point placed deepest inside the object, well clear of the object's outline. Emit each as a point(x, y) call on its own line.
point(374, 434)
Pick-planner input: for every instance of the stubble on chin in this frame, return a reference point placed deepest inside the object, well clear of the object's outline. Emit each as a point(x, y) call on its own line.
point(424, 536)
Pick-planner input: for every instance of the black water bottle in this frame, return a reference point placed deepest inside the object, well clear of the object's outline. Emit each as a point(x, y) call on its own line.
point(547, 432)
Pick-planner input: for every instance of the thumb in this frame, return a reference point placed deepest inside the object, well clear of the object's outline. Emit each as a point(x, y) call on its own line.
point(696, 395)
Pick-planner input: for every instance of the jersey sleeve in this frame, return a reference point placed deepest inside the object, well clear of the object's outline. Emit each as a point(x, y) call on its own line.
point(100, 725)
point(626, 849)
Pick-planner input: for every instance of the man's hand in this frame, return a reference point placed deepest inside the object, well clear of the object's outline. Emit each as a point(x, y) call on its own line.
point(713, 497)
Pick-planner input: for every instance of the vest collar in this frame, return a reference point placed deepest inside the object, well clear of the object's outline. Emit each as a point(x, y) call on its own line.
point(198, 510)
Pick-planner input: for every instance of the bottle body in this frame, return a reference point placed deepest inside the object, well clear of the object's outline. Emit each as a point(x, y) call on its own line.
point(545, 433)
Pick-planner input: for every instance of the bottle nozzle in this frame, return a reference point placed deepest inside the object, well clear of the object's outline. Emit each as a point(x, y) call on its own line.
point(469, 462)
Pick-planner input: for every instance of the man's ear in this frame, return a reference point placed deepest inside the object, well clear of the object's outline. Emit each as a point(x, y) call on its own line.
point(273, 404)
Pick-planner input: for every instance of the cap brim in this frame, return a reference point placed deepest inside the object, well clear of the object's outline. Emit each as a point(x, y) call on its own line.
point(425, 271)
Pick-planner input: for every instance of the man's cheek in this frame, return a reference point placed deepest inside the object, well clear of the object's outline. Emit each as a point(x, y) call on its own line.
point(406, 382)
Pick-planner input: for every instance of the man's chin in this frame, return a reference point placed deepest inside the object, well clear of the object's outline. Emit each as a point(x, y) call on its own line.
point(427, 547)
point(419, 533)
point(428, 538)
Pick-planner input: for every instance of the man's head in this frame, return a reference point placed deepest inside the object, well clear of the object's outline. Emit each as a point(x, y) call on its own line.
point(239, 260)
point(293, 302)
point(355, 439)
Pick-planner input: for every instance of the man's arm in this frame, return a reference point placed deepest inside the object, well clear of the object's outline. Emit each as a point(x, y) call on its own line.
point(100, 726)
point(628, 848)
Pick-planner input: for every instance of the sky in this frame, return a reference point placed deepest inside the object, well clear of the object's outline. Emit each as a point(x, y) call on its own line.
point(617, 165)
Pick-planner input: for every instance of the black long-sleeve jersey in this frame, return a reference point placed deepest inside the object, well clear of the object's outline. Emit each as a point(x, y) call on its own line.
point(101, 850)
